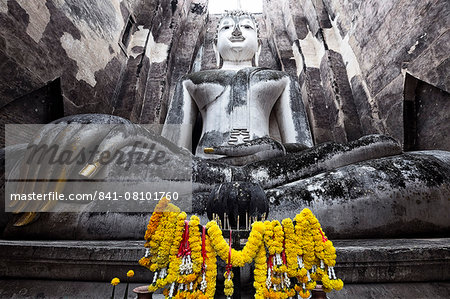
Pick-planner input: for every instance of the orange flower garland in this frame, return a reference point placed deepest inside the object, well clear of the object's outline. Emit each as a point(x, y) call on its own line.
point(154, 219)
point(211, 269)
point(152, 226)
point(185, 262)
point(260, 272)
point(238, 258)
point(174, 262)
point(195, 242)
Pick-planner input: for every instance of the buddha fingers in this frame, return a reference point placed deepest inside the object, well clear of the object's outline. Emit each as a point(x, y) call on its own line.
point(118, 138)
point(82, 140)
point(50, 162)
point(43, 134)
point(30, 166)
point(36, 170)
point(246, 149)
point(244, 160)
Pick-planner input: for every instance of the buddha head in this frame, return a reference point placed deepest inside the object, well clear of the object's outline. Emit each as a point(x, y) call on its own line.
point(237, 38)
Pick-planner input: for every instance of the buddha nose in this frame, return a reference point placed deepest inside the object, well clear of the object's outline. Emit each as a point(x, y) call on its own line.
point(237, 31)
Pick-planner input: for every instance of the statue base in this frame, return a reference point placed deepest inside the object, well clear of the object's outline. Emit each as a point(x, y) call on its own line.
point(371, 263)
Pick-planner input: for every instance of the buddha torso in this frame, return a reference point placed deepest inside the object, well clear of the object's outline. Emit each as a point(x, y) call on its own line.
point(235, 105)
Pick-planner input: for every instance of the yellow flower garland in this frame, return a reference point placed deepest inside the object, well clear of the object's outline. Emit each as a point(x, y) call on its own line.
point(292, 247)
point(159, 236)
point(278, 237)
point(238, 258)
point(228, 284)
point(211, 269)
point(307, 240)
point(152, 226)
point(195, 242)
point(154, 219)
point(268, 235)
point(166, 243)
point(329, 254)
point(260, 272)
point(309, 256)
point(174, 261)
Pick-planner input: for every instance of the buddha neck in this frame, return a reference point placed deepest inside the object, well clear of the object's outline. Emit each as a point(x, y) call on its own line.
point(236, 65)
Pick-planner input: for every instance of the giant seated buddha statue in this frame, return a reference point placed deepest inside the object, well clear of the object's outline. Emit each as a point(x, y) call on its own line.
point(364, 188)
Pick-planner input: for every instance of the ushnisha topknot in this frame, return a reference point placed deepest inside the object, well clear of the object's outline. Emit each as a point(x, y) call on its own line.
point(236, 14)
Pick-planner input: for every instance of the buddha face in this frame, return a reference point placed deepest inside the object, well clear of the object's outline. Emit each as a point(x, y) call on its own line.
point(237, 38)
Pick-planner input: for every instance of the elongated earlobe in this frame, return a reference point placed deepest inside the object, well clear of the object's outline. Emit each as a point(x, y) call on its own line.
point(257, 54)
point(216, 52)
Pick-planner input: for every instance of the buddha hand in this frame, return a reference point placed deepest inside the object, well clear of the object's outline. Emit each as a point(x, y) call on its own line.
point(245, 153)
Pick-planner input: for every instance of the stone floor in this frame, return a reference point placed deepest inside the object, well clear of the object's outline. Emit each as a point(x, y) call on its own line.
point(41, 289)
point(390, 268)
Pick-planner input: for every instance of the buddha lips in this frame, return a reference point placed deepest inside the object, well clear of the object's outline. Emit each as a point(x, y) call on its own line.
point(289, 257)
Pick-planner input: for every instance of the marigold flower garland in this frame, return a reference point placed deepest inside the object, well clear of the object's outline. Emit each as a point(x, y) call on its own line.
point(195, 242)
point(183, 256)
point(292, 247)
point(167, 239)
point(161, 238)
point(238, 258)
point(260, 272)
point(190, 254)
point(277, 283)
point(152, 226)
point(211, 268)
point(174, 260)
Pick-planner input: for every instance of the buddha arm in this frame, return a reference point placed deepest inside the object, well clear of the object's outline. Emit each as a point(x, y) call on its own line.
point(291, 116)
point(180, 117)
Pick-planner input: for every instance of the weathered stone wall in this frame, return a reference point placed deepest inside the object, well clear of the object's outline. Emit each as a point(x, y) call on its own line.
point(75, 40)
point(81, 43)
point(321, 70)
point(350, 57)
point(390, 39)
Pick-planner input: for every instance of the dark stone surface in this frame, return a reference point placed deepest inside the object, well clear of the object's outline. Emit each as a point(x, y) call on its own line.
point(41, 106)
point(392, 260)
point(387, 39)
point(82, 226)
point(358, 261)
point(431, 66)
point(349, 199)
point(390, 108)
point(433, 106)
point(425, 108)
point(369, 124)
point(343, 93)
point(308, 11)
point(46, 59)
point(404, 195)
point(237, 199)
point(185, 38)
point(331, 102)
point(282, 42)
point(32, 289)
point(319, 110)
